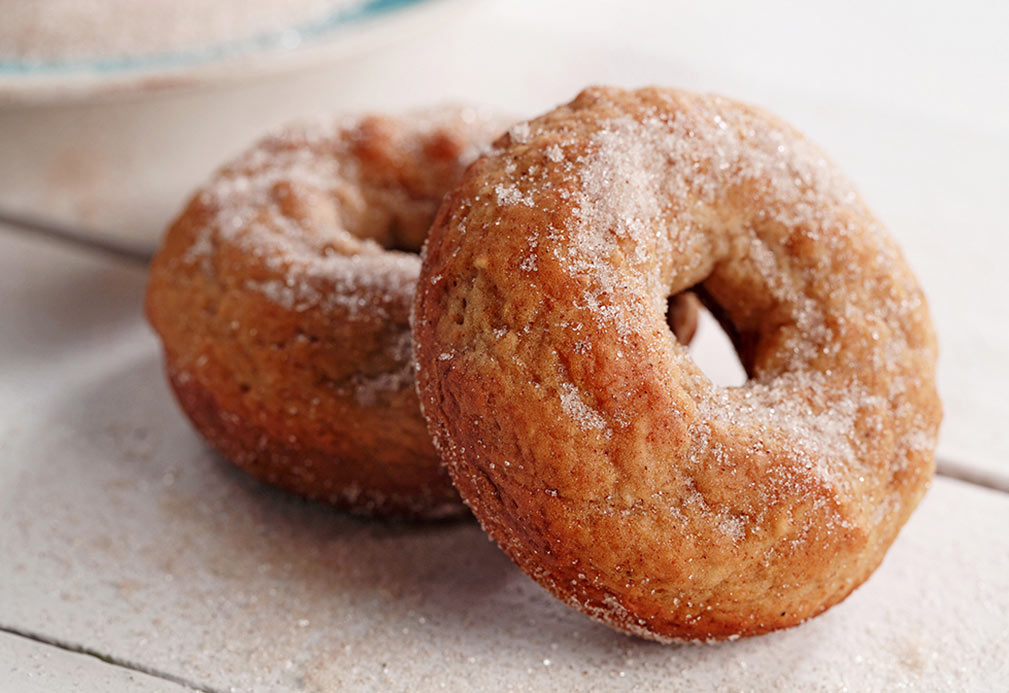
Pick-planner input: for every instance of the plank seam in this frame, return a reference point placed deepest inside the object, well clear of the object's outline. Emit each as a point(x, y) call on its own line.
point(123, 251)
point(107, 659)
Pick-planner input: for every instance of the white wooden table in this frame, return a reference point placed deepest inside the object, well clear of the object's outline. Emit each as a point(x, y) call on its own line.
point(134, 559)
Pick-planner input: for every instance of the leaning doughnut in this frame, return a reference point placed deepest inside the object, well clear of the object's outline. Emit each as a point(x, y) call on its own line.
point(585, 439)
point(282, 296)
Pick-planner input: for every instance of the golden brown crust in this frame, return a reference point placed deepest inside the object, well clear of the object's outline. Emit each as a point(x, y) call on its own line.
point(284, 310)
point(585, 439)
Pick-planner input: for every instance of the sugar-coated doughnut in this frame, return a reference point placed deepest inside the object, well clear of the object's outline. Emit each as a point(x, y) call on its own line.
point(583, 436)
point(282, 297)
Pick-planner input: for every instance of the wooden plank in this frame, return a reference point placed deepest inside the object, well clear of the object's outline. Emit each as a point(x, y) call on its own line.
point(122, 532)
point(27, 666)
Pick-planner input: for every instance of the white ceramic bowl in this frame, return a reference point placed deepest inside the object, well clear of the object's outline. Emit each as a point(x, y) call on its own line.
point(111, 148)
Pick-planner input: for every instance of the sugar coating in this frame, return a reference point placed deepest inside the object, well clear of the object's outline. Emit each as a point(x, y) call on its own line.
point(305, 205)
point(574, 406)
point(675, 508)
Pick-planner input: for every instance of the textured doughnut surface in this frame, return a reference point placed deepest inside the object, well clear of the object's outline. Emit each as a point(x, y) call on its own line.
point(582, 435)
point(282, 297)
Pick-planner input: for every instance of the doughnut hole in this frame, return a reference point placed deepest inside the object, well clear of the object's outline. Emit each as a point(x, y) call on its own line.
point(711, 348)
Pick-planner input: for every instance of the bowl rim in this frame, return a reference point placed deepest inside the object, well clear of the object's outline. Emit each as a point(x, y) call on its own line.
point(340, 34)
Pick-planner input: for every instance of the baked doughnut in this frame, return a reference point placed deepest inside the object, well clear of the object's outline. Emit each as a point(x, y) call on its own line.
point(585, 439)
point(282, 296)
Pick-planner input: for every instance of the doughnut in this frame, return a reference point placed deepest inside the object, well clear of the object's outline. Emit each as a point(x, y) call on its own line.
point(583, 436)
point(282, 295)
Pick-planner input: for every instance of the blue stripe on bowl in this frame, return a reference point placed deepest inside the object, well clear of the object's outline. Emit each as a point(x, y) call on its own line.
point(288, 38)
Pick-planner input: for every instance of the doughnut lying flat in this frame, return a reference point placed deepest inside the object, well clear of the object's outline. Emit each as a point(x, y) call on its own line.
point(586, 440)
point(282, 297)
